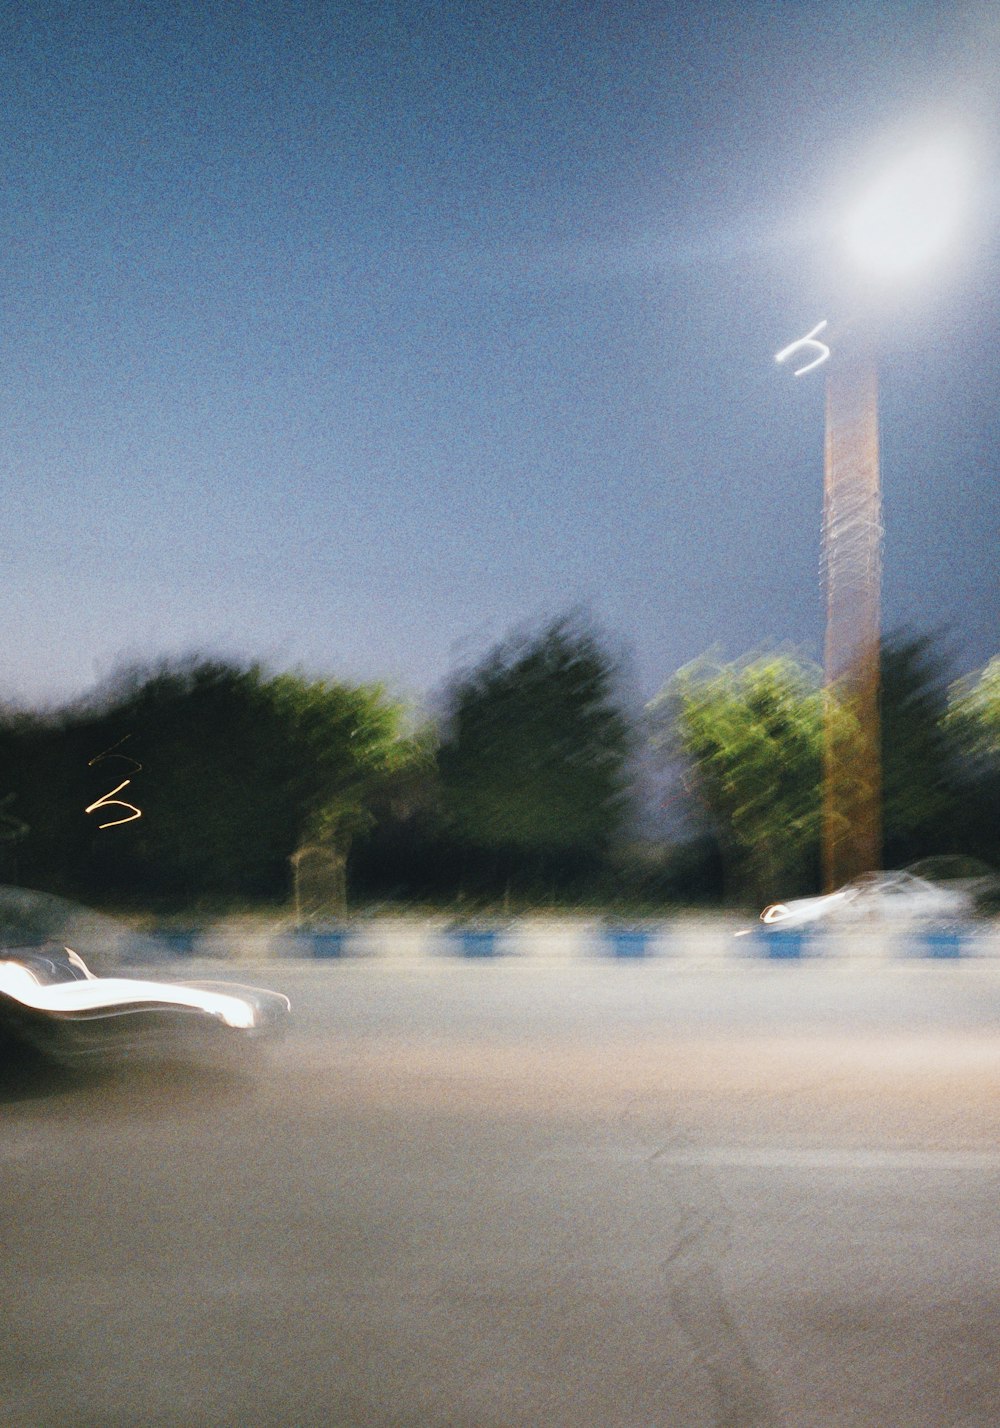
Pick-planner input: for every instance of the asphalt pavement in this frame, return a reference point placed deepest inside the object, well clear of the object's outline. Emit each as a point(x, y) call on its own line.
point(524, 1195)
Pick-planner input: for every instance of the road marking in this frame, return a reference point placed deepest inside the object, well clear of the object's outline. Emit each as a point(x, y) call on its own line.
point(738, 1157)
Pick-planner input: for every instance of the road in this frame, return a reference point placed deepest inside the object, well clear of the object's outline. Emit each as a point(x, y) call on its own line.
point(525, 1195)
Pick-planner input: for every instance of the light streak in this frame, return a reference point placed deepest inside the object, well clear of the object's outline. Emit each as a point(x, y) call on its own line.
point(803, 342)
point(110, 754)
point(108, 995)
point(108, 800)
point(78, 961)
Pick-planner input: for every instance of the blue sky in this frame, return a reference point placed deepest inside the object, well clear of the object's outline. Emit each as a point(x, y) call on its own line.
point(350, 337)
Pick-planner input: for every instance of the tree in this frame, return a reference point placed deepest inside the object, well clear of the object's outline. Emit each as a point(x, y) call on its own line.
point(404, 852)
point(974, 712)
point(920, 774)
point(232, 769)
point(343, 744)
point(973, 720)
point(13, 828)
point(751, 733)
point(533, 763)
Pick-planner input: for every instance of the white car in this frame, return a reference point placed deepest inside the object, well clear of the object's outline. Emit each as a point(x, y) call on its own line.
point(891, 896)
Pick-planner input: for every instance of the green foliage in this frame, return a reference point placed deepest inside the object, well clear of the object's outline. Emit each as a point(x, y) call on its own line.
point(340, 741)
point(974, 713)
point(533, 766)
point(920, 799)
point(14, 828)
point(973, 722)
point(211, 783)
point(231, 768)
point(527, 791)
point(752, 734)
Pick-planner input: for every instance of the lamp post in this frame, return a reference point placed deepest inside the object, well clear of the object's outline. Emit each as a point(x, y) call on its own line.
point(903, 221)
point(852, 572)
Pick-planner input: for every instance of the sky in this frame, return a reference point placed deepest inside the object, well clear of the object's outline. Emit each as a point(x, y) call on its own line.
point(351, 337)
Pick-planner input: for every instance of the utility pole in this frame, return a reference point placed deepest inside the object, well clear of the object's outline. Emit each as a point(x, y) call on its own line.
point(902, 221)
point(852, 579)
point(852, 572)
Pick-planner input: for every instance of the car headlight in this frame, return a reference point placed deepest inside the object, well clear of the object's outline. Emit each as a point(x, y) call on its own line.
point(775, 912)
point(234, 1012)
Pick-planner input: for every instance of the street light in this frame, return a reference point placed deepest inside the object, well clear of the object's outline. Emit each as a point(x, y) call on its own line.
point(903, 220)
point(912, 211)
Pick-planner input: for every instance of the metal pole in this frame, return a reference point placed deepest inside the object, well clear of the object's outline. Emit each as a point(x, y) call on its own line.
point(852, 559)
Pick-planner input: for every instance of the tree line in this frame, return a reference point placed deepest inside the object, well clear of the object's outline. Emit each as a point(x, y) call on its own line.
point(202, 782)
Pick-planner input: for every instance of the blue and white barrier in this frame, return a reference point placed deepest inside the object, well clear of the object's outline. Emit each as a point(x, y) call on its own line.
point(947, 943)
point(683, 940)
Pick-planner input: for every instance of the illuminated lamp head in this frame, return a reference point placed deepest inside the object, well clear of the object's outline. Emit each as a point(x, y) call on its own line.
point(911, 213)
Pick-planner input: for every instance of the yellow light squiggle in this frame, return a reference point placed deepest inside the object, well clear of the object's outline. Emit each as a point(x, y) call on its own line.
point(110, 754)
point(108, 800)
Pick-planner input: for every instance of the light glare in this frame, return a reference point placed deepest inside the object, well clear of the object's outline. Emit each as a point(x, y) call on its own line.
point(911, 213)
point(775, 912)
point(803, 343)
point(104, 993)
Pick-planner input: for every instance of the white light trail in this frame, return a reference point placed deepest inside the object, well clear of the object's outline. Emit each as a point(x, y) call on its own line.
point(809, 341)
point(110, 994)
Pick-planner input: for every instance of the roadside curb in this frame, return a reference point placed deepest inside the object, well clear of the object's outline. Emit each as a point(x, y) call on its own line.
point(688, 940)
